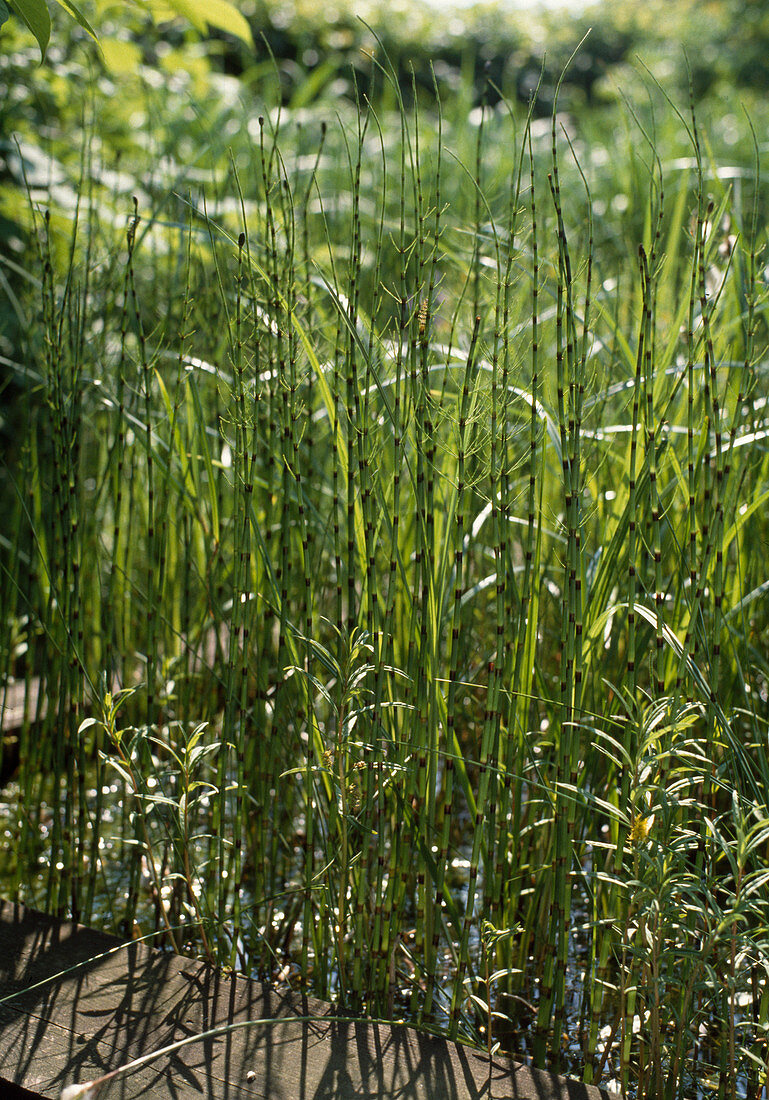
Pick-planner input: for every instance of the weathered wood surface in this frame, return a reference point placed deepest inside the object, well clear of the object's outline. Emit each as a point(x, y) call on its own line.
point(14, 698)
point(22, 702)
point(75, 1004)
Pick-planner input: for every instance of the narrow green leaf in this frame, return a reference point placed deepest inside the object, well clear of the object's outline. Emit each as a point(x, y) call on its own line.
point(199, 752)
point(76, 13)
point(121, 770)
point(158, 800)
point(196, 734)
point(34, 13)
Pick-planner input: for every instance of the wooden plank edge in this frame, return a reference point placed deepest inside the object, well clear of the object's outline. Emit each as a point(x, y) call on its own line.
point(56, 941)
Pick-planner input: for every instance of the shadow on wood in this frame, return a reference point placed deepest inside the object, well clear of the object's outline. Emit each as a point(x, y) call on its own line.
point(75, 1004)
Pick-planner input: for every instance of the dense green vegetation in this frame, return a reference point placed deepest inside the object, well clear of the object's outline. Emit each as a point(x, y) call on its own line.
point(386, 471)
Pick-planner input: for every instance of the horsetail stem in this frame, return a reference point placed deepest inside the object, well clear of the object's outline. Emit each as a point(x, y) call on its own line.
point(425, 518)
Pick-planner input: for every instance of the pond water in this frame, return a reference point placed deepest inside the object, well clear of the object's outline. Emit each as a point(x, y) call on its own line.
point(513, 1028)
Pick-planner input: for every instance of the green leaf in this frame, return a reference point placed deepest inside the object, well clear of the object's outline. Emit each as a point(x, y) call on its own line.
point(5, 12)
point(198, 753)
point(158, 800)
point(215, 13)
point(35, 14)
point(196, 734)
point(120, 769)
point(200, 785)
point(76, 13)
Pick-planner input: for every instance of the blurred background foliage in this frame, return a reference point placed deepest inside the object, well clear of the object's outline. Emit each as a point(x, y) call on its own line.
point(308, 52)
point(326, 55)
point(501, 48)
